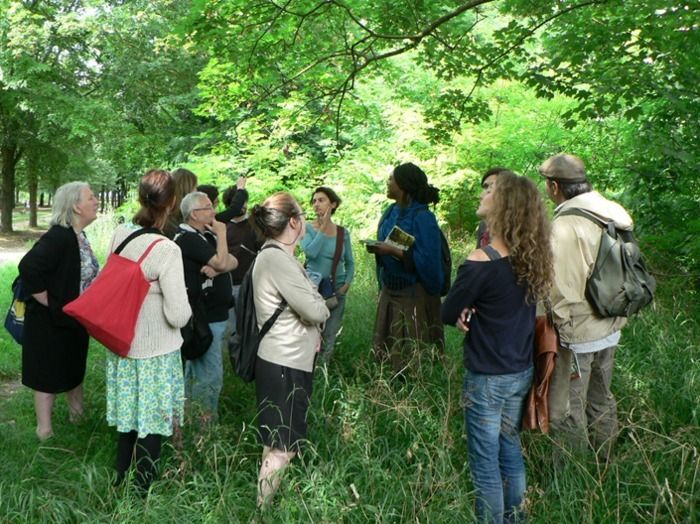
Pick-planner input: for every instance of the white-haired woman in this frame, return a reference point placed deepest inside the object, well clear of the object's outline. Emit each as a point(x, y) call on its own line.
point(58, 268)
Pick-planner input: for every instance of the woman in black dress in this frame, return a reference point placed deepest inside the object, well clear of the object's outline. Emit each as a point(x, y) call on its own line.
point(55, 271)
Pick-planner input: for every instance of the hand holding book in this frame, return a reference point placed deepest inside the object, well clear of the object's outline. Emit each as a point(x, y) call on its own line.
point(396, 244)
point(398, 238)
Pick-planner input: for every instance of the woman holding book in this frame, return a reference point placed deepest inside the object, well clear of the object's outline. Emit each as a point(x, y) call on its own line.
point(409, 269)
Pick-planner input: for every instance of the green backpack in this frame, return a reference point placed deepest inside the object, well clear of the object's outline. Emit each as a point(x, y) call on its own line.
point(620, 283)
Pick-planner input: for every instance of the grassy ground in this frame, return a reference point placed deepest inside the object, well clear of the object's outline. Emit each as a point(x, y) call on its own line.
point(378, 452)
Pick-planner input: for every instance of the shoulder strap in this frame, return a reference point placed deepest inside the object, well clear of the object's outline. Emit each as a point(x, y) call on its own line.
point(491, 252)
point(179, 232)
point(135, 234)
point(271, 245)
point(270, 321)
point(339, 239)
point(577, 211)
point(148, 250)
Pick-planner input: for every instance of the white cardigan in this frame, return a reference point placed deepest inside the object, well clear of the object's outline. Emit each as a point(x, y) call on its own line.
point(294, 337)
point(165, 309)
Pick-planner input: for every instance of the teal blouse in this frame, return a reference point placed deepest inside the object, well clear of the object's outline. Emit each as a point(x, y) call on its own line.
point(319, 250)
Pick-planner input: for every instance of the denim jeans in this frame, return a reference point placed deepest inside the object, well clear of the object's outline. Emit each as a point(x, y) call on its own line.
point(493, 408)
point(332, 327)
point(204, 377)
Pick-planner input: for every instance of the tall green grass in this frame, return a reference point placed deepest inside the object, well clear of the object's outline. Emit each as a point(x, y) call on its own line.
point(378, 451)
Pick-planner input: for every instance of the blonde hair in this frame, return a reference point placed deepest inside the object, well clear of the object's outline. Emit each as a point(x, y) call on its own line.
point(520, 219)
point(185, 182)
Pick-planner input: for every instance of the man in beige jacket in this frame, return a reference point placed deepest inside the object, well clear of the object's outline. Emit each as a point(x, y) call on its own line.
point(583, 410)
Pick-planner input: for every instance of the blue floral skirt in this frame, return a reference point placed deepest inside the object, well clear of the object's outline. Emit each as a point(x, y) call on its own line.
point(145, 395)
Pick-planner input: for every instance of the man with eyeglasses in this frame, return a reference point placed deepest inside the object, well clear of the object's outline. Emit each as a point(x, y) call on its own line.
point(207, 264)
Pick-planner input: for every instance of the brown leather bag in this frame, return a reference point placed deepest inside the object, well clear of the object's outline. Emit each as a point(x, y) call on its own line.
point(536, 412)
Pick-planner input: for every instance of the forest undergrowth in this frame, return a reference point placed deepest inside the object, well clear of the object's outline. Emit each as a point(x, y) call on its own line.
point(378, 450)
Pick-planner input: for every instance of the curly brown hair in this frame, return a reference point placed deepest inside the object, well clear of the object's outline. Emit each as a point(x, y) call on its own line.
point(520, 219)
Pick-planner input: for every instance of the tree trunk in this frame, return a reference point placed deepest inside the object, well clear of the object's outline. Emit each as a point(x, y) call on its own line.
point(33, 186)
point(10, 154)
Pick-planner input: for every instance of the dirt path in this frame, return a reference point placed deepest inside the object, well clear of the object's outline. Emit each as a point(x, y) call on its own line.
point(14, 245)
point(9, 386)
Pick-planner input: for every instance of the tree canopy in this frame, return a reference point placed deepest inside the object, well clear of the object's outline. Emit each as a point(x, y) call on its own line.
point(300, 91)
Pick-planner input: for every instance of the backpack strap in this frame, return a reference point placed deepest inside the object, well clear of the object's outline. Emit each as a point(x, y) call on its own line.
point(491, 252)
point(339, 240)
point(266, 246)
point(270, 321)
point(577, 211)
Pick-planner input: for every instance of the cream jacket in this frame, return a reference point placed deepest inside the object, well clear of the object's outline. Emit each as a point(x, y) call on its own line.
point(575, 243)
point(165, 309)
point(294, 337)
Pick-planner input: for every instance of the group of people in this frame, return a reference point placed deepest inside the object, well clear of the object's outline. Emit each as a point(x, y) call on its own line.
point(195, 261)
point(521, 260)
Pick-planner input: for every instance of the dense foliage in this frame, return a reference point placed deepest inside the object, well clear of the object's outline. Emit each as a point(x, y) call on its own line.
point(306, 91)
point(296, 93)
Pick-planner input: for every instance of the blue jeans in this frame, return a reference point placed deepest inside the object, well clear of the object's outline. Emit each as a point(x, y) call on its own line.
point(493, 409)
point(204, 377)
point(330, 330)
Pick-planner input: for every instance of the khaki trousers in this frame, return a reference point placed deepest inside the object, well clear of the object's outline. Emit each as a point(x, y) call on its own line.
point(583, 410)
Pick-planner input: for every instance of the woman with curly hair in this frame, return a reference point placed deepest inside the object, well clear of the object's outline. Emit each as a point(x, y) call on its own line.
point(493, 299)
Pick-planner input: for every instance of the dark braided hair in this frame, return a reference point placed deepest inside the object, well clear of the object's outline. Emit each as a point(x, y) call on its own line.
point(411, 179)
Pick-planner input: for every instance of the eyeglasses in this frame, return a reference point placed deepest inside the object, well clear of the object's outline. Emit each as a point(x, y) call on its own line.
point(208, 208)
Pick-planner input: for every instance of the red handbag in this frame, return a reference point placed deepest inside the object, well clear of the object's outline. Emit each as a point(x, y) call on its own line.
point(110, 307)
